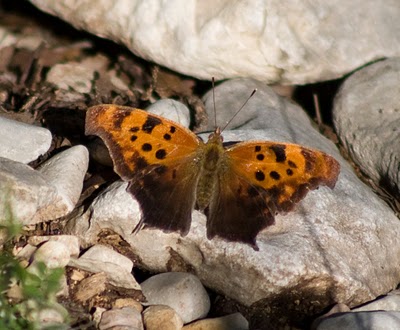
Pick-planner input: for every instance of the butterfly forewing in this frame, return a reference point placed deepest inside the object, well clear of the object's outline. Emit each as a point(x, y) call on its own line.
point(136, 138)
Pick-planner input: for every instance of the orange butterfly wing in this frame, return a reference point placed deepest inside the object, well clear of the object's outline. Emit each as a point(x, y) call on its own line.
point(262, 179)
point(157, 157)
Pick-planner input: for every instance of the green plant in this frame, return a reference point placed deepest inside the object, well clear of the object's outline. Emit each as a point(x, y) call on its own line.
point(24, 293)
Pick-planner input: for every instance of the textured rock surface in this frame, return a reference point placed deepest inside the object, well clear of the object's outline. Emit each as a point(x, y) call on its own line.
point(161, 317)
point(325, 251)
point(104, 259)
point(31, 199)
point(54, 254)
point(367, 118)
point(270, 41)
point(127, 318)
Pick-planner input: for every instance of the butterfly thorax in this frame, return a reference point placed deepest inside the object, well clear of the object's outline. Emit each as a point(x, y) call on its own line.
point(212, 160)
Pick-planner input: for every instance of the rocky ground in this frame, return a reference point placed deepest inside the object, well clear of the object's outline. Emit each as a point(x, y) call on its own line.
point(78, 213)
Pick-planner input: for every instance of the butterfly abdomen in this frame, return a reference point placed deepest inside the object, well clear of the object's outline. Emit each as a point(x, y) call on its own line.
point(212, 156)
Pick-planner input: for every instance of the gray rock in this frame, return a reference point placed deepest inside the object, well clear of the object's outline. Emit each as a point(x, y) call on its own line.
point(325, 249)
point(181, 291)
point(367, 118)
point(269, 41)
point(338, 316)
point(361, 321)
point(22, 142)
point(391, 302)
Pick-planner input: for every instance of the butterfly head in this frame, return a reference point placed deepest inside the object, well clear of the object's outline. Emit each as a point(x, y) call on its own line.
point(216, 136)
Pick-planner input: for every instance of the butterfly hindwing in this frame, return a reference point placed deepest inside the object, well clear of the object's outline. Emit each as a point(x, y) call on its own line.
point(238, 211)
point(166, 195)
point(284, 171)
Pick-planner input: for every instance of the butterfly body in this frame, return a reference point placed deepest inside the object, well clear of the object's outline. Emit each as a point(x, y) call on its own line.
point(170, 171)
point(212, 164)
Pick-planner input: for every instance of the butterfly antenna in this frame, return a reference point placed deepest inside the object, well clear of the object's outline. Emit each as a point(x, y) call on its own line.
point(240, 109)
point(215, 110)
point(317, 110)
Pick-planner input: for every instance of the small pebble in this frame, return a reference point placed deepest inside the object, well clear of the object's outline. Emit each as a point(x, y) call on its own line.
point(127, 318)
point(161, 317)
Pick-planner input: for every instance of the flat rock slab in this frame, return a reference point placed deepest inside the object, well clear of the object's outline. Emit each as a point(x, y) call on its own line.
point(337, 245)
point(268, 40)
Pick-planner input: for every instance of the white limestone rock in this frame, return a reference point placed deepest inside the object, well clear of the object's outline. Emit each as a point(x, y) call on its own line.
point(272, 41)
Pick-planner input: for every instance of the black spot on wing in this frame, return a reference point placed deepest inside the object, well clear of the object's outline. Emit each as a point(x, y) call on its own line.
point(309, 160)
point(139, 162)
point(150, 123)
point(161, 153)
point(280, 153)
point(274, 175)
point(260, 176)
point(119, 117)
point(147, 147)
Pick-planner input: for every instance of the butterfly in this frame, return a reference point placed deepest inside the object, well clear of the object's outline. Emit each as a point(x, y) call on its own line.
point(171, 171)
